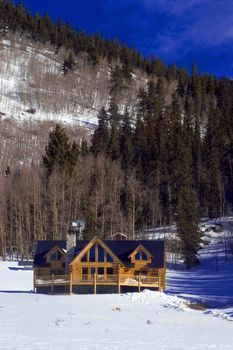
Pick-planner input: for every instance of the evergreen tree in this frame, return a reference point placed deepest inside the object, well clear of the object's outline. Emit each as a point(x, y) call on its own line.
point(68, 64)
point(59, 153)
point(126, 145)
point(183, 79)
point(211, 157)
point(139, 142)
point(175, 151)
point(84, 148)
point(120, 80)
point(115, 138)
point(187, 227)
point(100, 138)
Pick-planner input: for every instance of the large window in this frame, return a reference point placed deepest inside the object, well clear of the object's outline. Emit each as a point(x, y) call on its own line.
point(92, 270)
point(84, 271)
point(100, 254)
point(140, 255)
point(100, 270)
point(55, 256)
point(84, 258)
point(143, 256)
point(96, 254)
point(109, 258)
point(109, 271)
point(92, 253)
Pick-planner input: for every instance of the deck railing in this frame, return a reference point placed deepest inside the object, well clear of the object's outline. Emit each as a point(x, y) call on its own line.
point(100, 279)
point(52, 279)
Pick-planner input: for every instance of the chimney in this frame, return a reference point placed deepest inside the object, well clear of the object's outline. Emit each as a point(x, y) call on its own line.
point(70, 245)
point(71, 238)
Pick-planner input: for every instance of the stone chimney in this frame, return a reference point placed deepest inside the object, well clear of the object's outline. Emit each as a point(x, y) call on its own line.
point(70, 244)
point(71, 238)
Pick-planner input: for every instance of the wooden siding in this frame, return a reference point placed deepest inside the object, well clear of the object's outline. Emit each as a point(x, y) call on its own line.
point(98, 272)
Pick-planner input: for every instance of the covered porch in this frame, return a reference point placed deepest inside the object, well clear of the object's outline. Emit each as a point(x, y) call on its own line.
point(117, 281)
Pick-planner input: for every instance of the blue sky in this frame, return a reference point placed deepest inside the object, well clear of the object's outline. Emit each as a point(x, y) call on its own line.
point(181, 31)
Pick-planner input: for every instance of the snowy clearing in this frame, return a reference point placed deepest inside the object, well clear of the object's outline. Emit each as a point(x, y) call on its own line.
point(126, 321)
point(195, 312)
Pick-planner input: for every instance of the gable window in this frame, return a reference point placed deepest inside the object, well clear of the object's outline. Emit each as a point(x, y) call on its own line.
point(54, 256)
point(100, 254)
point(84, 258)
point(96, 254)
point(141, 256)
point(109, 258)
point(92, 253)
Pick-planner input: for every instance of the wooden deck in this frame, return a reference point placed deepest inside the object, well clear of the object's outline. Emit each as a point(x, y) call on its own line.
point(139, 281)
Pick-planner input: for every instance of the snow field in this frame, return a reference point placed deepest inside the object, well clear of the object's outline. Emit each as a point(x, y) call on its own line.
point(195, 312)
point(127, 321)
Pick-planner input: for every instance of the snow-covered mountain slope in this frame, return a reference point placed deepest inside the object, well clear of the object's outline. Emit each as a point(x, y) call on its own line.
point(35, 95)
point(33, 87)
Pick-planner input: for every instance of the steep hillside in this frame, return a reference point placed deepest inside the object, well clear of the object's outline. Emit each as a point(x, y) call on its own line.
point(34, 87)
point(35, 94)
point(160, 149)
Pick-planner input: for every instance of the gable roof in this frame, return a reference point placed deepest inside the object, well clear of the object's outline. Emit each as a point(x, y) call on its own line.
point(121, 249)
point(42, 248)
point(54, 249)
point(94, 240)
point(141, 247)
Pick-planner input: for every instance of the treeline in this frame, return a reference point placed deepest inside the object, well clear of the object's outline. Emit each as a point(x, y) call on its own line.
point(41, 201)
point(172, 163)
point(16, 18)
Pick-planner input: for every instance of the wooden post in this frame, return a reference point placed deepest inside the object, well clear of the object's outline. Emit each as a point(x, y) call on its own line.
point(160, 287)
point(71, 282)
point(34, 281)
point(95, 283)
point(139, 283)
point(119, 282)
point(52, 284)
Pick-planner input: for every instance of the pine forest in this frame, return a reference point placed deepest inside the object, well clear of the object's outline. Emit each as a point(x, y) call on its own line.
point(165, 158)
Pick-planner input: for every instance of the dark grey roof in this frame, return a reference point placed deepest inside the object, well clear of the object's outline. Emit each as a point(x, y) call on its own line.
point(122, 249)
point(42, 248)
point(79, 246)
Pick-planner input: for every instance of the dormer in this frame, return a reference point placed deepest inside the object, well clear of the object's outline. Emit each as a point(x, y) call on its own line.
point(54, 255)
point(141, 256)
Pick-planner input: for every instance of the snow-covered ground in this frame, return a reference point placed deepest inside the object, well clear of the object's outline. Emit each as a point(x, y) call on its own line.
point(127, 321)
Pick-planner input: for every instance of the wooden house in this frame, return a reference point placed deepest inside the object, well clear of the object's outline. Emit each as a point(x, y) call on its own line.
point(98, 266)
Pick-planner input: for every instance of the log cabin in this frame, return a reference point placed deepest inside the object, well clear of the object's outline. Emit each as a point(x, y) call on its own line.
point(98, 266)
